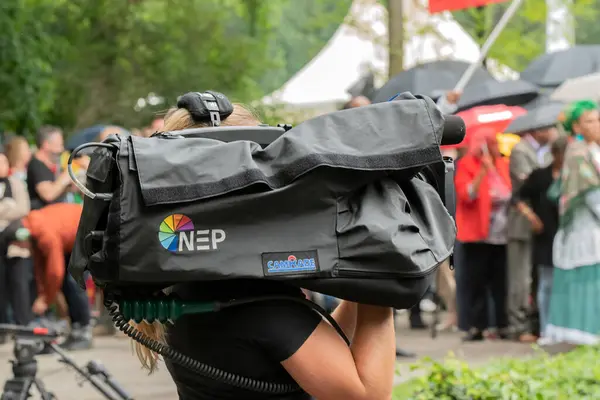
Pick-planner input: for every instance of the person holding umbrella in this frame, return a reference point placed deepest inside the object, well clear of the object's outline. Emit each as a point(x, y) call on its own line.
point(448, 102)
point(574, 301)
point(483, 192)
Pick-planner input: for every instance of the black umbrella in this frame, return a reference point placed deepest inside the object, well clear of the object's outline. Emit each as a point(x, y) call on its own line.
point(509, 93)
point(552, 69)
point(84, 136)
point(541, 100)
point(542, 117)
point(430, 79)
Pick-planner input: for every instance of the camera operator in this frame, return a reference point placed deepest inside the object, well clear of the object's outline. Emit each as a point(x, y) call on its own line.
point(52, 232)
point(274, 341)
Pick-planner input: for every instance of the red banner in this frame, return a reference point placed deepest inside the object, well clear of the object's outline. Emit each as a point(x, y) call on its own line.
point(436, 6)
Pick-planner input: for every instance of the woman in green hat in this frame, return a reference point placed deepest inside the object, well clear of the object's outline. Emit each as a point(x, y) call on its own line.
point(575, 301)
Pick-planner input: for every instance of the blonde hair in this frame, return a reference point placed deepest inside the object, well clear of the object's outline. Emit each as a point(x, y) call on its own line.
point(13, 150)
point(178, 119)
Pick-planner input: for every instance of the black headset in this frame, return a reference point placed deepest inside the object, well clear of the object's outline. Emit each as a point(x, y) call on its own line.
point(208, 106)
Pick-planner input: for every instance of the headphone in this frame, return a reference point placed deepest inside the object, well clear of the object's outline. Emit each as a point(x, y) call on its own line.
point(208, 106)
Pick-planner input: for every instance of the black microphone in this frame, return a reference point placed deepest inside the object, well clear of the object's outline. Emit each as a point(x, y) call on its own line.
point(454, 130)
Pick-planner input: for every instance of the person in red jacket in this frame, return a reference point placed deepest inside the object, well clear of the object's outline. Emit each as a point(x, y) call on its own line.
point(483, 193)
point(52, 230)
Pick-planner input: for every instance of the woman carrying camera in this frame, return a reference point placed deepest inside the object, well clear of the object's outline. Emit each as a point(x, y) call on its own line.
point(278, 341)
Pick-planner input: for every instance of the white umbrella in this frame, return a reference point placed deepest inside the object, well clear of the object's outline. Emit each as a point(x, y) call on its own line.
point(583, 87)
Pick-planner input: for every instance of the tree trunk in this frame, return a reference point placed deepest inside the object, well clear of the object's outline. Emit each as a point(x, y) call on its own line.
point(395, 37)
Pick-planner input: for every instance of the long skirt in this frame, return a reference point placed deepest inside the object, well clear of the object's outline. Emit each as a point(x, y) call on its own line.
point(575, 306)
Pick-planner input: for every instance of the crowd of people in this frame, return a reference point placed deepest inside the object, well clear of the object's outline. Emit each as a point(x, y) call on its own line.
point(40, 209)
point(526, 264)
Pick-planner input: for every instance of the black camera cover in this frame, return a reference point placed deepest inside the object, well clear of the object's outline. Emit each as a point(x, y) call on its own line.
point(336, 205)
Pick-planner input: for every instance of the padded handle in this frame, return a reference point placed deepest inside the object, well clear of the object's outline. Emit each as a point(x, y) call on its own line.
point(263, 135)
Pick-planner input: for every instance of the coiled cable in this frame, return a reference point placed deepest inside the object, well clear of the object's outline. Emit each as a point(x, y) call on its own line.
point(206, 370)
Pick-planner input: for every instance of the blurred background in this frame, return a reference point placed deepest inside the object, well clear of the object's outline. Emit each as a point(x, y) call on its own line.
point(120, 62)
point(76, 71)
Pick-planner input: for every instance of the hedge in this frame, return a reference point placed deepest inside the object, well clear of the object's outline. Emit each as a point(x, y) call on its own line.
point(572, 375)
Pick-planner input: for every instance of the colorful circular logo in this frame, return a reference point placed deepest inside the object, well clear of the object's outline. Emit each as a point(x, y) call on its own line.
point(292, 258)
point(168, 233)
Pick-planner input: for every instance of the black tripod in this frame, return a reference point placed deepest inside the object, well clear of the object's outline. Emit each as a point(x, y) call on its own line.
point(29, 342)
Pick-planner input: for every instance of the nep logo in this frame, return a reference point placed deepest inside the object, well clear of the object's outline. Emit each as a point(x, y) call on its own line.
point(292, 264)
point(178, 235)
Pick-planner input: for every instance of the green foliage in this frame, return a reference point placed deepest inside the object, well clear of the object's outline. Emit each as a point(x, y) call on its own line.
point(587, 29)
point(74, 63)
point(524, 38)
point(573, 375)
point(27, 55)
point(305, 27)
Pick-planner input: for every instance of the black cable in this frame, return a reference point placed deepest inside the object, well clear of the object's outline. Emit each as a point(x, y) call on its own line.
point(206, 370)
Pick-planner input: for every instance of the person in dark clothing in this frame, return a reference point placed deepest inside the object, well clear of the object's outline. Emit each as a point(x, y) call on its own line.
point(42, 183)
point(261, 332)
point(276, 341)
point(543, 216)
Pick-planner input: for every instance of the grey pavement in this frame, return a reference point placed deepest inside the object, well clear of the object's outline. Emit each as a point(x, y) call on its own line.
point(475, 353)
point(117, 356)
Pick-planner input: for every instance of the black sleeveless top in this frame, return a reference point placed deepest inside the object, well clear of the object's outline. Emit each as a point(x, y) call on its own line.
point(249, 340)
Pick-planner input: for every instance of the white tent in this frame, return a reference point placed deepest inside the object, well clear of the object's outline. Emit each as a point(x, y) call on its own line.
point(360, 44)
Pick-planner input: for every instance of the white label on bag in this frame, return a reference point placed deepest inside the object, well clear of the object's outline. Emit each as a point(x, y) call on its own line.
point(202, 240)
point(178, 234)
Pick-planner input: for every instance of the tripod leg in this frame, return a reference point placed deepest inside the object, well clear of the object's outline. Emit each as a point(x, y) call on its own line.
point(17, 389)
point(43, 392)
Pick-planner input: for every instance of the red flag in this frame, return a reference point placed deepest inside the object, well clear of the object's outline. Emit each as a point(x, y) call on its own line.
point(436, 6)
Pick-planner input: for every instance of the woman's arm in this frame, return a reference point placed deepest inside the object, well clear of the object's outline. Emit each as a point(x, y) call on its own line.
point(16, 207)
point(325, 367)
point(536, 223)
point(526, 192)
point(467, 181)
point(7, 208)
point(345, 316)
point(473, 187)
point(21, 198)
